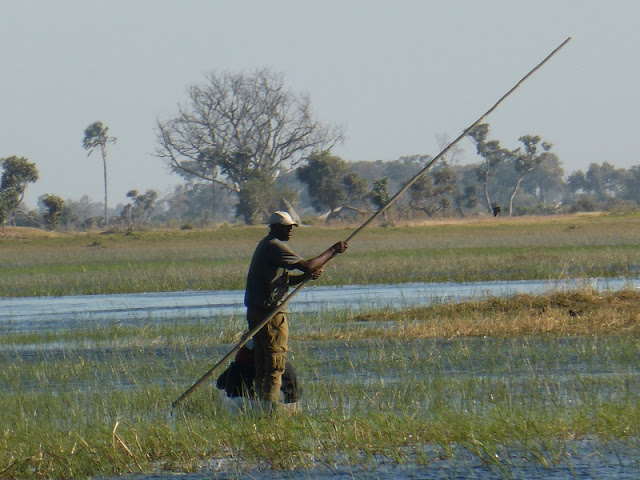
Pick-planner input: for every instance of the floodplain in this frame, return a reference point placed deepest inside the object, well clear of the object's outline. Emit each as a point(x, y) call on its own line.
point(34, 263)
point(545, 385)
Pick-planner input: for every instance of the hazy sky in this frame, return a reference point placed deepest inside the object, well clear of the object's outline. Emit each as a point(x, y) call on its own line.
point(395, 73)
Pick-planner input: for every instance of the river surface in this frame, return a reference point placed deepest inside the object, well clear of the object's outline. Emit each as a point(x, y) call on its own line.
point(25, 314)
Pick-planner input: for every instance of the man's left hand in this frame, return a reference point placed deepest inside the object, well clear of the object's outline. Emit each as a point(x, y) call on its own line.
point(316, 273)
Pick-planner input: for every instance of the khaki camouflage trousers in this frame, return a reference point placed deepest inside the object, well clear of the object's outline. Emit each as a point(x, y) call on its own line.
point(269, 353)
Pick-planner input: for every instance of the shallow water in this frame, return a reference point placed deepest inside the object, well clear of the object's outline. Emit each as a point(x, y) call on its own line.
point(584, 460)
point(496, 365)
point(53, 313)
point(514, 370)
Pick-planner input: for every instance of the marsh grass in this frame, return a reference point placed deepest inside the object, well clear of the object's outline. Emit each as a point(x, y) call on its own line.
point(582, 312)
point(469, 250)
point(494, 381)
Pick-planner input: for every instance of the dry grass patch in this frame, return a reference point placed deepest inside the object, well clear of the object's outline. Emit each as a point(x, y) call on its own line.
point(22, 233)
point(584, 312)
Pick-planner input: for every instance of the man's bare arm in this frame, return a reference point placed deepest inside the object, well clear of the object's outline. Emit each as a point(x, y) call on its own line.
point(313, 264)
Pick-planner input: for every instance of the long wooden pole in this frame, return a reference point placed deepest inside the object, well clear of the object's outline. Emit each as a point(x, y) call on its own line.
point(249, 335)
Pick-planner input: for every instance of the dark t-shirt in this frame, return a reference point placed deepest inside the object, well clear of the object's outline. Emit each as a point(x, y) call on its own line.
point(268, 279)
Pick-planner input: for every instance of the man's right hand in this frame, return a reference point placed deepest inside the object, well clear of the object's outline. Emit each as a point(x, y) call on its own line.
point(339, 247)
point(317, 262)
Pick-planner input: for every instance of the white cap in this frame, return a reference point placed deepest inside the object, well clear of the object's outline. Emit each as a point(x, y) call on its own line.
point(282, 218)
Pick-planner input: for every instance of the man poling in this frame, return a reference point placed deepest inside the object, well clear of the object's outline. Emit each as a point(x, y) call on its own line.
point(268, 283)
point(257, 326)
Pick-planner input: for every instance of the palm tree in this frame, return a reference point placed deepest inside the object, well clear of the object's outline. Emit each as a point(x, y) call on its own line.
point(96, 135)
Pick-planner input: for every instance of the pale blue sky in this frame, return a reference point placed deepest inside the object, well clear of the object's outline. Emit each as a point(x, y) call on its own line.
point(394, 73)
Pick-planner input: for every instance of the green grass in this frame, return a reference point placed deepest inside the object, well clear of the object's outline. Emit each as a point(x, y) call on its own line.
point(470, 250)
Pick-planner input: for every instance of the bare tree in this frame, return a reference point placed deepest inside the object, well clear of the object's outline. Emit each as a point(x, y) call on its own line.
point(96, 135)
point(237, 129)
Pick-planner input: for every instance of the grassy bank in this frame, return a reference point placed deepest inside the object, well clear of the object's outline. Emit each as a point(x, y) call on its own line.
point(466, 250)
point(505, 381)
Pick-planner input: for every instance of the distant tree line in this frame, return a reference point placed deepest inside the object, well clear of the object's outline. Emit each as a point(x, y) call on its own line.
point(243, 141)
point(324, 187)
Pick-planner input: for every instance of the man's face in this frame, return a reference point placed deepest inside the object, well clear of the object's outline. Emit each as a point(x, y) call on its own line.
point(282, 232)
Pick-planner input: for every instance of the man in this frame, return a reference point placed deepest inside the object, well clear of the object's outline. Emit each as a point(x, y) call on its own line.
point(268, 282)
